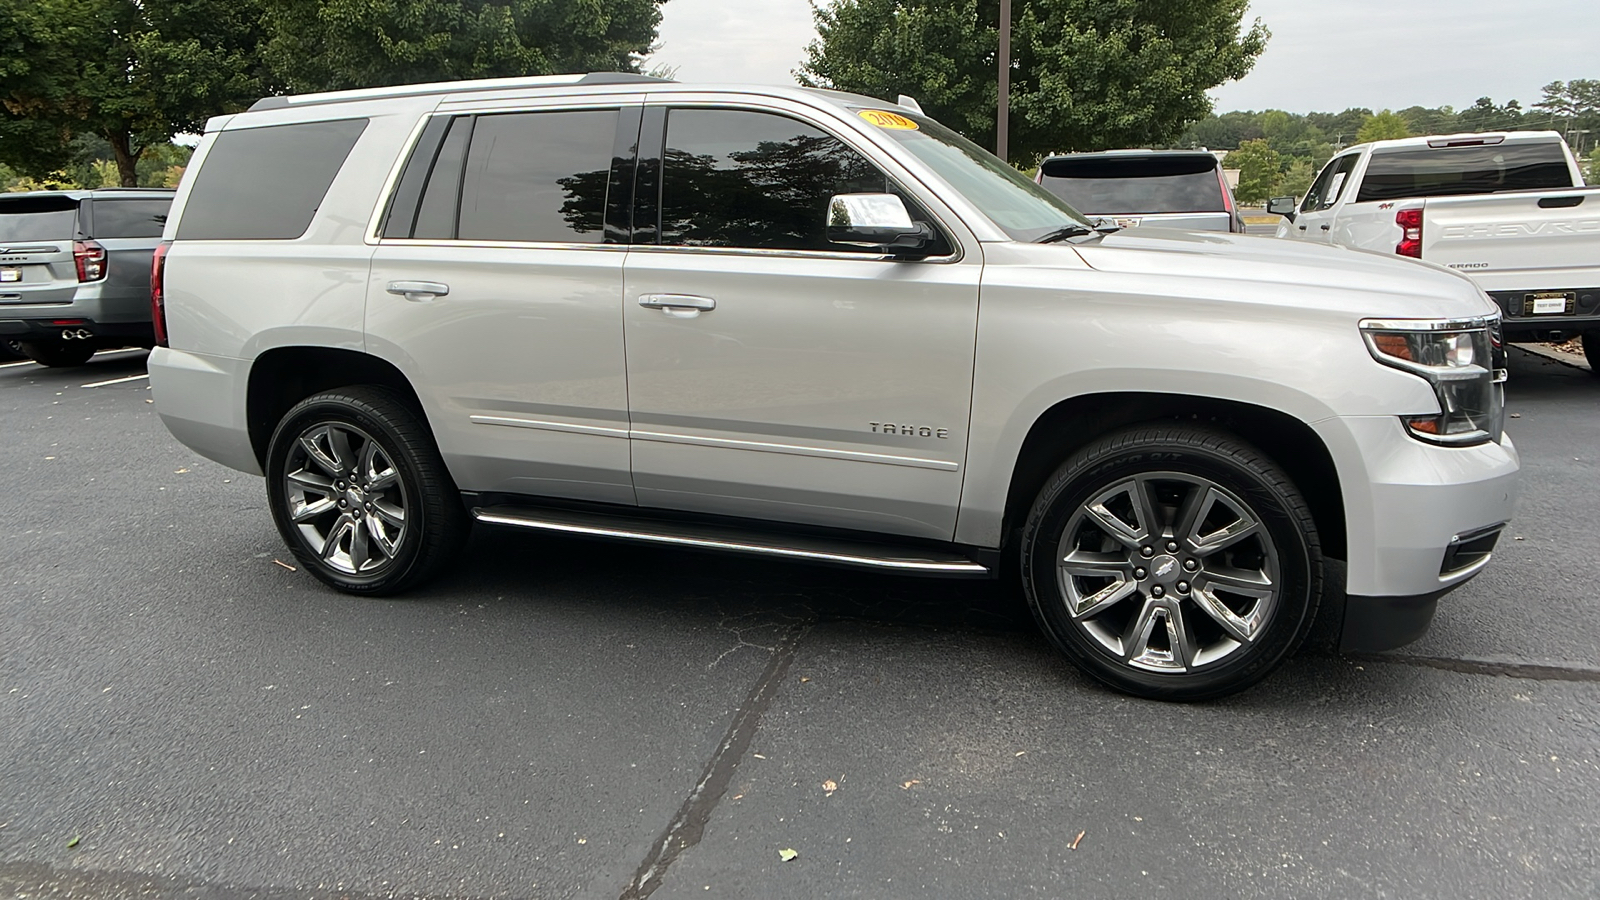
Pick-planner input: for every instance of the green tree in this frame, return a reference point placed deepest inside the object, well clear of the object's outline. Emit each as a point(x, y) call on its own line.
point(1296, 179)
point(1384, 126)
point(319, 45)
point(1591, 167)
point(1087, 74)
point(132, 74)
point(1259, 169)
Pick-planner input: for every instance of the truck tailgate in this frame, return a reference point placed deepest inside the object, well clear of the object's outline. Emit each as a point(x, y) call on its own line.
point(1524, 240)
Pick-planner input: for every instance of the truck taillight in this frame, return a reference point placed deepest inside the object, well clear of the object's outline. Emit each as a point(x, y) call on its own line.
point(90, 258)
point(1410, 222)
point(158, 300)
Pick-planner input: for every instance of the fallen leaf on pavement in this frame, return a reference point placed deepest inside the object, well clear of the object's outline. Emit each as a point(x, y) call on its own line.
point(830, 786)
point(906, 785)
point(1074, 844)
point(74, 842)
point(787, 854)
point(180, 471)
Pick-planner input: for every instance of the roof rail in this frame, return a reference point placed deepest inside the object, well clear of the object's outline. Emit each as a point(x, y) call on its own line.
point(451, 87)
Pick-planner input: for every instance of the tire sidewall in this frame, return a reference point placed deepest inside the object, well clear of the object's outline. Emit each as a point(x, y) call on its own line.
point(326, 410)
point(1083, 476)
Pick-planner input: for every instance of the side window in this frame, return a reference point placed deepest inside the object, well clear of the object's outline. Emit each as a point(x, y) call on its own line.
point(737, 178)
point(266, 183)
point(129, 218)
point(436, 216)
point(539, 176)
point(1329, 185)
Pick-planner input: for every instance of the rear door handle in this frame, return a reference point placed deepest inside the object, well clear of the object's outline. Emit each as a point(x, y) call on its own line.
point(418, 291)
point(1325, 227)
point(680, 306)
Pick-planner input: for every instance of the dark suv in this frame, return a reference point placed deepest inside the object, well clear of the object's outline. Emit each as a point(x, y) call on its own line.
point(1171, 188)
point(75, 270)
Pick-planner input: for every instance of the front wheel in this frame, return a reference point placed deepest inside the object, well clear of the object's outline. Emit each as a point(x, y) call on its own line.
point(360, 494)
point(1172, 562)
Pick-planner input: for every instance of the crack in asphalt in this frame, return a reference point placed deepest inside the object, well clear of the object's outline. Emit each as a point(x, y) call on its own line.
point(1532, 671)
point(689, 825)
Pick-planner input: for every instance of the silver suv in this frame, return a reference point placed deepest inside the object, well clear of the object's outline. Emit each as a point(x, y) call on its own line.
point(823, 327)
point(75, 270)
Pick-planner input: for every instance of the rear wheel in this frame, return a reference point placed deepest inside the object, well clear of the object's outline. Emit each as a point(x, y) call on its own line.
point(1172, 562)
point(360, 494)
point(1591, 351)
point(57, 354)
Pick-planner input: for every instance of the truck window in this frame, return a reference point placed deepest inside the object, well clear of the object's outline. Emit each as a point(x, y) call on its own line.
point(1136, 184)
point(266, 183)
point(538, 176)
point(1329, 185)
point(1457, 171)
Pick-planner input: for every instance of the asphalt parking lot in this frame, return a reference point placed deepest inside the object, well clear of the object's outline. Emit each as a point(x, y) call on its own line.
point(183, 716)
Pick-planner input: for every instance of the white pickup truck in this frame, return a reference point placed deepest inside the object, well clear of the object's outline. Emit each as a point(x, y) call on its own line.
point(1507, 209)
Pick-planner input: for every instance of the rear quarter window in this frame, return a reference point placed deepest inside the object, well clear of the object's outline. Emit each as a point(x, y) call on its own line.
point(266, 183)
point(128, 218)
point(1457, 171)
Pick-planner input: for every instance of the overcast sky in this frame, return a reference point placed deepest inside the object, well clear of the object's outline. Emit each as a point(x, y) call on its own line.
point(1324, 55)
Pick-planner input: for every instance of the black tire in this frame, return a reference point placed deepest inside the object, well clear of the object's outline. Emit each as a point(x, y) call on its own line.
point(11, 350)
point(1116, 636)
point(58, 354)
point(353, 518)
point(1591, 351)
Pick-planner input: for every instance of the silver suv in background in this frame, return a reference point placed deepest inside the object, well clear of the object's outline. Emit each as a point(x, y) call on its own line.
point(1170, 188)
point(75, 270)
point(819, 326)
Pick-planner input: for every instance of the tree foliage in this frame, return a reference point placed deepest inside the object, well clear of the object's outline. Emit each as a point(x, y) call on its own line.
point(1384, 126)
point(131, 74)
point(1259, 170)
point(1086, 74)
point(319, 45)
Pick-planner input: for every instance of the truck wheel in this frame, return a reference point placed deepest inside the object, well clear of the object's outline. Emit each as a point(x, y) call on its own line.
point(360, 494)
point(1172, 562)
point(57, 354)
point(1591, 351)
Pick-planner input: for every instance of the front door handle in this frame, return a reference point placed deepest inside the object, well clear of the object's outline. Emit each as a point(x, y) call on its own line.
point(679, 306)
point(418, 291)
point(1325, 227)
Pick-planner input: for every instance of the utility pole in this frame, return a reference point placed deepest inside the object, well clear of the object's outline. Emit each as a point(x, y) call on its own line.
point(1003, 121)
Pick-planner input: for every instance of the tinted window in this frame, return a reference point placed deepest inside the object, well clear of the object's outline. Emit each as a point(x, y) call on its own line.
point(1451, 171)
point(1329, 185)
point(538, 177)
point(38, 218)
point(1137, 184)
point(436, 219)
point(129, 218)
point(732, 178)
point(266, 183)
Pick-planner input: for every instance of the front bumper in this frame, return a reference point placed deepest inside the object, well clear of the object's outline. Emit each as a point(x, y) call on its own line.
point(1421, 520)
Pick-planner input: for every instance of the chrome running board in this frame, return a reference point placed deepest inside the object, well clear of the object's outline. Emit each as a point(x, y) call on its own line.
point(835, 551)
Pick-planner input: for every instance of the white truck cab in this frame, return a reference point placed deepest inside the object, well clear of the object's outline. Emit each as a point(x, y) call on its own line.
point(1509, 210)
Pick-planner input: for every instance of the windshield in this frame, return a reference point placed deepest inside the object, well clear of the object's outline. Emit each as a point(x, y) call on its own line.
point(1102, 185)
point(1025, 211)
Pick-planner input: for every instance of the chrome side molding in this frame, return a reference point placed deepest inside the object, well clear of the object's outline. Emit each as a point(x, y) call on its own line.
point(718, 537)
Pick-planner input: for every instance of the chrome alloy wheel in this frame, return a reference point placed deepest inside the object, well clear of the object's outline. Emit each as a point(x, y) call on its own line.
point(1168, 572)
point(345, 498)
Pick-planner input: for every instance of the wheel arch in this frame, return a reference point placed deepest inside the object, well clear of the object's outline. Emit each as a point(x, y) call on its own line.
point(1075, 422)
point(283, 376)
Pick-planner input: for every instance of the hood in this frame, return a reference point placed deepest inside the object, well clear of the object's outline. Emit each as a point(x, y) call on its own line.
point(1412, 288)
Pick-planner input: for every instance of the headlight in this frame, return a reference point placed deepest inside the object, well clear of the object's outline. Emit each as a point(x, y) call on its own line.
point(1464, 361)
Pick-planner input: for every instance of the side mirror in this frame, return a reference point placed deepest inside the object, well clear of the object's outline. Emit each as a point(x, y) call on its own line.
point(1282, 206)
point(875, 220)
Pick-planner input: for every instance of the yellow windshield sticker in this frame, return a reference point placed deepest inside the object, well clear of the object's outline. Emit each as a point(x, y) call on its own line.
point(884, 119)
